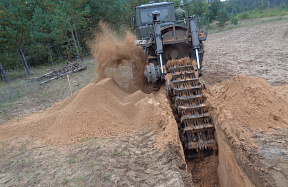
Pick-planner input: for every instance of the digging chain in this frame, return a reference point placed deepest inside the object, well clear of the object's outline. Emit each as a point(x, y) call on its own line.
point(196, 129)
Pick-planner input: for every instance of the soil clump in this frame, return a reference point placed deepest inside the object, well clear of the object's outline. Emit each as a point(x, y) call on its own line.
point(252, 118)
point(251, 101)
point(204, 172)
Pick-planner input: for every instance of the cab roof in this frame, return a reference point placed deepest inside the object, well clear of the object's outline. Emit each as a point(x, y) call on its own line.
point(154, 4)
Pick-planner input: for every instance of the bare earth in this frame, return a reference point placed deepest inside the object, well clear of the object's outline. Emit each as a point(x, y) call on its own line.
point(104, 136)
point(116, 161)
point(259, 51)
point(250, 114)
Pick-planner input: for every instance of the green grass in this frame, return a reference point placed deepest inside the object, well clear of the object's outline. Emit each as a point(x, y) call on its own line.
point(22, 96)
point(20, 85)
point(71, 159)
point(214, 28)
point(256, 14)
point(250, 18)
point(122, 153)
point(65, 182)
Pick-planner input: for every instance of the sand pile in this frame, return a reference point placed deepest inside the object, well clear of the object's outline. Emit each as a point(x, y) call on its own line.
point(283, 90)
point(251, 101)
point(98, 110)
point(113, 52)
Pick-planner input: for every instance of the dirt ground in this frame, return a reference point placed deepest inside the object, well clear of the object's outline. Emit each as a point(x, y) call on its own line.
point(251, 115)
point(255, 50)
point(74, 144)
point(117, 161)
point(99, 136)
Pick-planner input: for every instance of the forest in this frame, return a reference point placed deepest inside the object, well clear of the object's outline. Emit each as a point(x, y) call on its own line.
point(37, 32)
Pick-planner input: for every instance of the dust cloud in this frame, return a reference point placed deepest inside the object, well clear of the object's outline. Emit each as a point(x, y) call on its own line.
point(119, 58)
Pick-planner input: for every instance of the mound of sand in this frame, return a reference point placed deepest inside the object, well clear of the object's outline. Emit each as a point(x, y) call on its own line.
point(283, 90)
point(98, 110)
point(251, 101)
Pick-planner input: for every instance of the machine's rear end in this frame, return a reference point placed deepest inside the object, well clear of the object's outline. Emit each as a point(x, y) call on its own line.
point(174, 54)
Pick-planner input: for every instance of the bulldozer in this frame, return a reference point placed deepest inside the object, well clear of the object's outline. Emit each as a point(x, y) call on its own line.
point(174, 55)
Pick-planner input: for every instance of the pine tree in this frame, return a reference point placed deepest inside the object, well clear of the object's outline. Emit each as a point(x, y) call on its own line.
point(42, 29)
point(16, 27)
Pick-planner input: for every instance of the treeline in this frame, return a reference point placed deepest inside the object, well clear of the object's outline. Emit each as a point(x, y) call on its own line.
point(224, 11)
point(238, 6)
point(35, 32)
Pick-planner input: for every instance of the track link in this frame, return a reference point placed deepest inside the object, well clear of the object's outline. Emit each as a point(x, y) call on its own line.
point(196, 129)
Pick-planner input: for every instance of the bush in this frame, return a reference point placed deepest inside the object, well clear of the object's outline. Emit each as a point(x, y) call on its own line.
point(244, 15)
point(222, 17)
point(234, 20)
point(257, 13)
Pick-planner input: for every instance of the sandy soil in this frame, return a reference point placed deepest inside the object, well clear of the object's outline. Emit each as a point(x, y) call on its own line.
point(104, 136)
point(139, 142)
point(250, 114)
point(256, 50)
point(117, 161)
point(204, 173)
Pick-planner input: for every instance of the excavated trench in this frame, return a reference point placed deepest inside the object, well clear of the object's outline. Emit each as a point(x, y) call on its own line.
point(219, 169)
point(204, 172)
point(203, 169)
point(228, 169)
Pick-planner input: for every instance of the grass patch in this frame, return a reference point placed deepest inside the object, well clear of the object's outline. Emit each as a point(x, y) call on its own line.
point(79, 179)
point(71, 159)
point(250, 18)
point(256, 14)
point(122, 153)
point(12, 91)
point(22, 96)
point(245, 23)
point(65, 182)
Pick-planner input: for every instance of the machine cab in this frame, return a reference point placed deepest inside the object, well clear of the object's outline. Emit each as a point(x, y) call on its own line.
point(144, 19)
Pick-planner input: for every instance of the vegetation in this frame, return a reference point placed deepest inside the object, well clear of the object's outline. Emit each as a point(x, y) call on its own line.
point(238, 6)
point(21, 97)
point(38, 32)
point(234, 10)
point(254, 14)
point(34, 33)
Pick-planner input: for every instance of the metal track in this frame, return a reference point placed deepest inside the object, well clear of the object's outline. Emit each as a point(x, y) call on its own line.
point(196, 129)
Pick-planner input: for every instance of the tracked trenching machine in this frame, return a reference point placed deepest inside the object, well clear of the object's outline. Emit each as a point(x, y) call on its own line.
point(174, 55)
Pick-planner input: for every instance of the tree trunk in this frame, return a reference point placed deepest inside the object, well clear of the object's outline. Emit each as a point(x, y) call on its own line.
point(51, 57)
point(78, 41)
point(69, 56)
point(59, 51)
point(2, 71)
point(85, 42)
point(84, 50)
point(23, 57)
point(78, 56)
